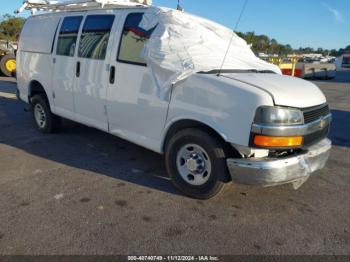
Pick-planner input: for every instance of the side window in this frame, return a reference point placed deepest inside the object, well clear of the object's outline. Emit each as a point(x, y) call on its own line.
point(95, 36)
point(67, 38)
point(133, 40)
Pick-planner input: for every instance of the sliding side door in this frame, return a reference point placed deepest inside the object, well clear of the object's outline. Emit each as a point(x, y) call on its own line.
point(92, 70)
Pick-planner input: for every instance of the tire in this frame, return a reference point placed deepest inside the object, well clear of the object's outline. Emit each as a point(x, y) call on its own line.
point(199, 146)
point(8, 65)
point(44, 119)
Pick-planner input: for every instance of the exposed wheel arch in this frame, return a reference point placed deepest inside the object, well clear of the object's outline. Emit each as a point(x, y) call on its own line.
point(36, 88)
point(187, 123)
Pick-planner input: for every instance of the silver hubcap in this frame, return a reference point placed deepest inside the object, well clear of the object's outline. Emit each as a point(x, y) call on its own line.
point(40, 115)
point(193, 164)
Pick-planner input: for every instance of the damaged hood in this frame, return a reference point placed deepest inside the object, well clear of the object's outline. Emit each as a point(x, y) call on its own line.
point(285, 90)
point(182, 44)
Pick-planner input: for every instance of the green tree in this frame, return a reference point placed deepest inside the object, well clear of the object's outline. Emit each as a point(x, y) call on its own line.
point(273, 46)
point(289, 49)
point(262, 43)
point(334, 52)
point(10, 27)
point(320, 50)
point(250, 37)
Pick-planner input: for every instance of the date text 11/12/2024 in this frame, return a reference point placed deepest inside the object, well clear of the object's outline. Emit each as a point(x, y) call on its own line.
point(173, 258)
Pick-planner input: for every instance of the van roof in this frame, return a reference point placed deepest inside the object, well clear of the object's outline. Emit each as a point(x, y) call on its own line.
point(54, 6)
point(63, 12)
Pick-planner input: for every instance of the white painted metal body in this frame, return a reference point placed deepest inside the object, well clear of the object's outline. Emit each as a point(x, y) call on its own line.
point(130, 108)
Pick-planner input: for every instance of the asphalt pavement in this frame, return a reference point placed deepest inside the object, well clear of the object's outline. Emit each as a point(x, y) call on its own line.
point(82, 191)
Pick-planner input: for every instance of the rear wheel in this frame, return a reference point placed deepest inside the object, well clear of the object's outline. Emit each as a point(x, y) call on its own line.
point(8, 65)
point(45, 120)
point(196, 163)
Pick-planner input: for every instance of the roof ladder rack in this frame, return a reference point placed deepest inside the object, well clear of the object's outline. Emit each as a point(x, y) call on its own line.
point(71, 5)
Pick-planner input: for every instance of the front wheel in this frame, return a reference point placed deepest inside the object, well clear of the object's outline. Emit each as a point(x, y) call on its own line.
point(196, 163)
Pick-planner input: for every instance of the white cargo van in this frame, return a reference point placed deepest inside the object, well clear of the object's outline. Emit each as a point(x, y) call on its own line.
point(151, 76)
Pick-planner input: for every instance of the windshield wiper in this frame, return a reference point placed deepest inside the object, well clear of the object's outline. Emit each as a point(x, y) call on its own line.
point(236, 71)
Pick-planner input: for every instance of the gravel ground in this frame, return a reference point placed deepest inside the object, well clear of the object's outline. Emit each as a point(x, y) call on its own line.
point(86, 192)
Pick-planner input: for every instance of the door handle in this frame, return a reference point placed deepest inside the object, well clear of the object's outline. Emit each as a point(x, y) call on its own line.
point(112, 75)
point(77, 72)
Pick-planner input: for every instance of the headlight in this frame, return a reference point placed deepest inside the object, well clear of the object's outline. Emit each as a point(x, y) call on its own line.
point(269, 115)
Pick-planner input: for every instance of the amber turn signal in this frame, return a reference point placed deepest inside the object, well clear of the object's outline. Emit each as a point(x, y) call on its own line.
point(271, 141)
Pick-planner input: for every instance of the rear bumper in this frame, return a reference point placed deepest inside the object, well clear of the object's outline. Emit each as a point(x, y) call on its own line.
point(266, 172)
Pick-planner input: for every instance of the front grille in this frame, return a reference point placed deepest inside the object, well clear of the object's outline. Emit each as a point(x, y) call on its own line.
point(316, 137)
point(314, 113)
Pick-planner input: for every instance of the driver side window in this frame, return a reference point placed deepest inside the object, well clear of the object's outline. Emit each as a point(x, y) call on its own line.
point(133, 40)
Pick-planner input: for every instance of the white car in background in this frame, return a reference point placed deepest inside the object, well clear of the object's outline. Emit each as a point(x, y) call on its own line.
point(146, 75)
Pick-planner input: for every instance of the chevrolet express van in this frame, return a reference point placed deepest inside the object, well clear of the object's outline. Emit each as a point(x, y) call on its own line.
point(242, 124)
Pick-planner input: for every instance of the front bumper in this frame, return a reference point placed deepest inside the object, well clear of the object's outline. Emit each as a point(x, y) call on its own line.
point(271, 172)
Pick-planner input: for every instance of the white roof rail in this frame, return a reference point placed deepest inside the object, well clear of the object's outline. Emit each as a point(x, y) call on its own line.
point(69, 5)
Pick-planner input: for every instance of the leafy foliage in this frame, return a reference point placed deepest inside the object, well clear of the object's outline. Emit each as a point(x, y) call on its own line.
point(263, 44)
point(10, 27)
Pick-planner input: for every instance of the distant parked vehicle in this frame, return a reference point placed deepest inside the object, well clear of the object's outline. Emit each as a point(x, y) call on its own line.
point(346, 61)
point(8, 57)
point(307, 67)
point(343, 61)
